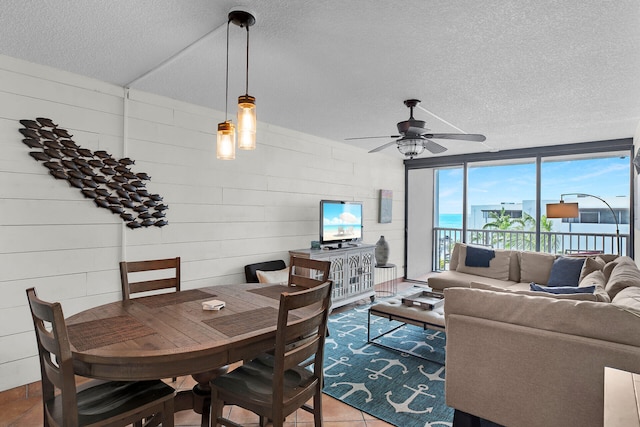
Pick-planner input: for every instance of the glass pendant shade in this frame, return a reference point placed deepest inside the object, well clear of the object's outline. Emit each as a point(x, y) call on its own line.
point(226, 148)
point(246, 122)
point(411, 147)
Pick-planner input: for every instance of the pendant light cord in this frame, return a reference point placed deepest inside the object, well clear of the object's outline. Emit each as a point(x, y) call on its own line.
point(247, 70)
point(226, 84)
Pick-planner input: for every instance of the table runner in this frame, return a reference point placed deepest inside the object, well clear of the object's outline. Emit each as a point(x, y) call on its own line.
point(91, 334)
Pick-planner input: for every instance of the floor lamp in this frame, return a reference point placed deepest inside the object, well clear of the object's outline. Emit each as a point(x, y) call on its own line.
point(570, 210)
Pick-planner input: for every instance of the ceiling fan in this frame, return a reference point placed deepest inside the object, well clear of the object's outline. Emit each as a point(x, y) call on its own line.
point(415, 137)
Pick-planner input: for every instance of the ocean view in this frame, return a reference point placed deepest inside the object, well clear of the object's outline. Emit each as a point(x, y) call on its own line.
point(450, 220)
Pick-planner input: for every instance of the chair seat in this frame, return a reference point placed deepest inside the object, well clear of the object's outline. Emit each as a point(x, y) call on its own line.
point(100, 400)
point(254, 380)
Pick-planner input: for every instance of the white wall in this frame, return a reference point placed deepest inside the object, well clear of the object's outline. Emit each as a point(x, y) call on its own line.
point(222, 214)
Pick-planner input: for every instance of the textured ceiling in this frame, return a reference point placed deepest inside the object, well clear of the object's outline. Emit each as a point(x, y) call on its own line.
point(522, 73)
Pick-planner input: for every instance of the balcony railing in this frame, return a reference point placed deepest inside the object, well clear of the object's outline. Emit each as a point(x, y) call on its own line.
point(550, 242)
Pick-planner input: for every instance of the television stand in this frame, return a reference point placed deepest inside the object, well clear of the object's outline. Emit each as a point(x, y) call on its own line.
point(352, 271)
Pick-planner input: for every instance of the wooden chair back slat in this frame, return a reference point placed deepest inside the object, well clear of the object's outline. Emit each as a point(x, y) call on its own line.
point(307, 273)
point(131, 286)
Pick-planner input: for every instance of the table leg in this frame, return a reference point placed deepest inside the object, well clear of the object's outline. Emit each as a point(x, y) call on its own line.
point(199, 398)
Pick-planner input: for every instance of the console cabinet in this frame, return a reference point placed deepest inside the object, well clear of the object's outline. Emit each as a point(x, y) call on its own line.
point(351, 271)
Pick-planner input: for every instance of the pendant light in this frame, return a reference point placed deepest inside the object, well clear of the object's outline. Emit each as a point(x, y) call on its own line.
point(246, 102)
point(226, 146)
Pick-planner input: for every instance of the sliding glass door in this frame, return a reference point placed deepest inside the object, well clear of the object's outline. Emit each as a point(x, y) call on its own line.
point(499, 200)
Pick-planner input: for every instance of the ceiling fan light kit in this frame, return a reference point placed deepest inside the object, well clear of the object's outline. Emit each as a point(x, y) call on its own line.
point(226, 137)
point(415, 138)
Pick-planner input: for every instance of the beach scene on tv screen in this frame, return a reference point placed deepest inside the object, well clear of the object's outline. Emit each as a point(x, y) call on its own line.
point(342, 221)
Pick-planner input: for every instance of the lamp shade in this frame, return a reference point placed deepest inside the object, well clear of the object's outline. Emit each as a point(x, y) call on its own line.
point(226, 147)
point(562, 210)
point(246, 122)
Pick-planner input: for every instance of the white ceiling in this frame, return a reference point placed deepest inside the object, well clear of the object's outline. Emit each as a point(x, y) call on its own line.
point(523, 73)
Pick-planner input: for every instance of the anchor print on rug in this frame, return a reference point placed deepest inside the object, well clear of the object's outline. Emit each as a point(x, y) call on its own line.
point(404, 406)
point(341, 362)
point(355, 387)
point(436, 376)
point(391, 363)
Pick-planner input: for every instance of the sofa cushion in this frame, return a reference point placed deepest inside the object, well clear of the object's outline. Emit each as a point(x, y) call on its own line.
point(455, 279)
point(624, 273)
point(498, 266)
point(535, 267)
point(580, 318)
point(628, 299)
point(596, 278)
point(565, 271)
point(516, 289)
point(590, 265)
point(455, 255)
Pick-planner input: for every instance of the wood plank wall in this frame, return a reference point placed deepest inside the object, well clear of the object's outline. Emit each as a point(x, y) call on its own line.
point(222, 214)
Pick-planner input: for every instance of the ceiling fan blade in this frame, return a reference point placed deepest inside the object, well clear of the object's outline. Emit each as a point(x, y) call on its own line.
point(434, 147)
point(372, 137)
point(382, 147)
point(460, 136)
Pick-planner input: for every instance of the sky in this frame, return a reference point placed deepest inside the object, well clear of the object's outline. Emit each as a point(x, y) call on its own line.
point(604, 177)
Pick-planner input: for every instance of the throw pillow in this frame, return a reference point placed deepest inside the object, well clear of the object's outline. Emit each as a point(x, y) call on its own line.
point(535, 266)
point(590, 265)
point(628, 299)
point(596, 278)
point(498, 267)
point(625, 273)
point(280, 277)
point(479, 257)
point(565, 271)
point(563, 289)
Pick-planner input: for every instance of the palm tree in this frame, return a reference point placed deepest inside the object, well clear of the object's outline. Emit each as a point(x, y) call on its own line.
point(501, 221)
point(524, 241)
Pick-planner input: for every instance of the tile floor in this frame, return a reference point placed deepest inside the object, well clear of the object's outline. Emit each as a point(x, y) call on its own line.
point(18, 411)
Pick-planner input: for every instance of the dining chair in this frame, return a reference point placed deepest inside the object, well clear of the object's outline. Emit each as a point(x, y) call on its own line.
point(275, 385)
point(134, 283)
point(307, 273)
point(129, 270)
point(95, 403)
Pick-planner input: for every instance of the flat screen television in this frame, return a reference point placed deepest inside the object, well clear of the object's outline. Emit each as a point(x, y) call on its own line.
point(340, 221)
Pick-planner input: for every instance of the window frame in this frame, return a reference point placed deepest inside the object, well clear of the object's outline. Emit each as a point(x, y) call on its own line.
point(538, 153)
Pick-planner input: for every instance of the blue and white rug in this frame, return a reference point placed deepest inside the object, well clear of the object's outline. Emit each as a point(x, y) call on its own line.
point(394, 386)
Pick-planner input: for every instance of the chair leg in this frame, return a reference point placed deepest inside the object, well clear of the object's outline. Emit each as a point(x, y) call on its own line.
point(168, 414)
point(216, 408)
point(317, 409)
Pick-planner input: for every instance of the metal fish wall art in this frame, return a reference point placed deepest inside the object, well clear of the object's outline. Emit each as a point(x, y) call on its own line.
point(108, 182)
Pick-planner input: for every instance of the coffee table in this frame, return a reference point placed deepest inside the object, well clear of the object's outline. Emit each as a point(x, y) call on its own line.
point(394, 309)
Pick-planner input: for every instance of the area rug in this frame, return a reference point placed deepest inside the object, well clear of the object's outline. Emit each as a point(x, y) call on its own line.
point(394, 386)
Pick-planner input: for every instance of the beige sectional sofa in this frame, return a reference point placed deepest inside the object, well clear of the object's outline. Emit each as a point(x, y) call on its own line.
point(523, 358)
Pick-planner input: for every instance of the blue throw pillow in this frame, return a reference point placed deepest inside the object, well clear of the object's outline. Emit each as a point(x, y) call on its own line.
point(565, 271)
point(563, 289)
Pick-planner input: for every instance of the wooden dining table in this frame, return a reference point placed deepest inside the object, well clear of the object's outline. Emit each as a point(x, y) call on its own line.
point(170, 335)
